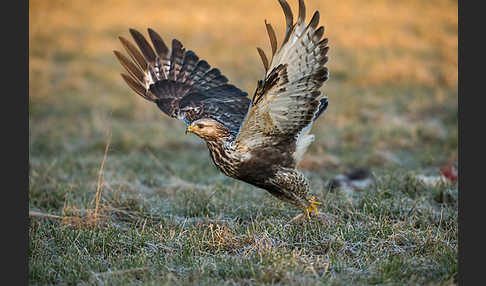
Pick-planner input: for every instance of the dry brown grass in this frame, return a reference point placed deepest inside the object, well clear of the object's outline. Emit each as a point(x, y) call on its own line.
point(91, 217)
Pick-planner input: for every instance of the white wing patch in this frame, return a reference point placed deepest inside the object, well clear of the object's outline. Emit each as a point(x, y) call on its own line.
point(303, 142)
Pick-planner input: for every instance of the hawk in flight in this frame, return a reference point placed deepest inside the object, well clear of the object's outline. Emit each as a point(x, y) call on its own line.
point(258, 140)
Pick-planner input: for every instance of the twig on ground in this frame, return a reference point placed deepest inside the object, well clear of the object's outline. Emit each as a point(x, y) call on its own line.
point(43, 215)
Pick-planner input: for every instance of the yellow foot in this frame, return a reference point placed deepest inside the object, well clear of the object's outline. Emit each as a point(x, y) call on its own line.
point(310, 209)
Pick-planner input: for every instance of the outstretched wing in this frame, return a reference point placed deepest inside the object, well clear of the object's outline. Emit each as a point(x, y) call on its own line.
point(288, 100)
point(182, 85)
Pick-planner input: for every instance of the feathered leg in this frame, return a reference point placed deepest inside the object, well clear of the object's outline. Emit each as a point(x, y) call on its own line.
point(294, 188)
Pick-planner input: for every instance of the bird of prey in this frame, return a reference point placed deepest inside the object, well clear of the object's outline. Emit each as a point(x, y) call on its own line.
point(258, 140)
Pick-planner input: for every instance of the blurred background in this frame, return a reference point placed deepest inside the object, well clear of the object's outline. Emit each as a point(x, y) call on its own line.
point(392, 88)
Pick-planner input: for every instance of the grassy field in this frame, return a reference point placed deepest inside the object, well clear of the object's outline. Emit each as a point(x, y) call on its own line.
point(153, 210)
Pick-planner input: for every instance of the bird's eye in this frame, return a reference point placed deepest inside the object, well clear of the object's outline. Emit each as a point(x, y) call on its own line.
point(200, 126)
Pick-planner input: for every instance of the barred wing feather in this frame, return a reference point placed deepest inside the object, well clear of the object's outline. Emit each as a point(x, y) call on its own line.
point(182, 85)
point(288, 100)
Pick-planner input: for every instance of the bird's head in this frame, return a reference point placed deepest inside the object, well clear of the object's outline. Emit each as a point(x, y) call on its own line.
point(208, 129)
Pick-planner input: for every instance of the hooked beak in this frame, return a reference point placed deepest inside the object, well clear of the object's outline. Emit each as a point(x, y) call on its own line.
point(189, 129)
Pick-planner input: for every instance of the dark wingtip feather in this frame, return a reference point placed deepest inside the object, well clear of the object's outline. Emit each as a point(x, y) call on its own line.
point(135, 86)
point(134, 53)
point(325, 50)
point(159, 45)
point(289, 19)
point(264, 58)
point(130, 66)
point(315, 20)
point(287, 11)
point(301, 12)
point(143, 45)
point(318, 33)
point(176, 58)
point(323, 42)
point(272, 36)
point(176, 44)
